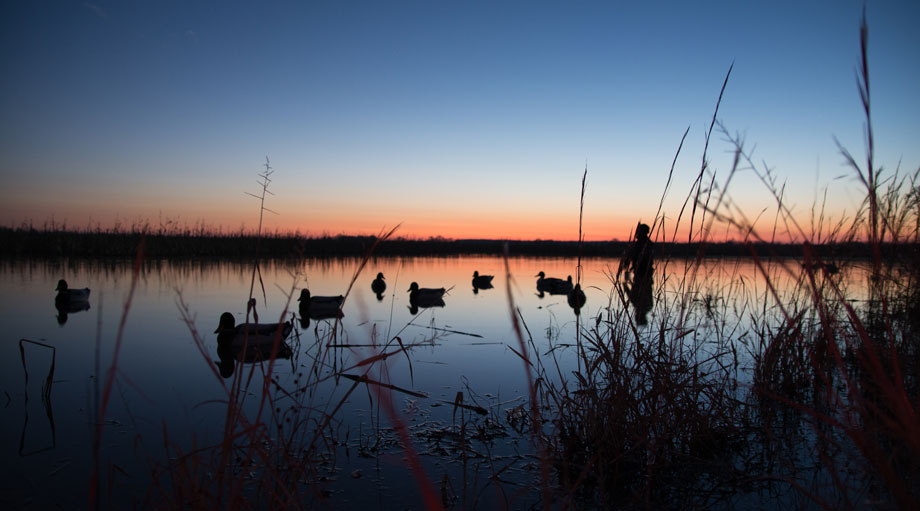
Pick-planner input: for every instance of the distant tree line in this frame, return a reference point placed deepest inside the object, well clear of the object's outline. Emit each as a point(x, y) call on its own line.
point(32, 243)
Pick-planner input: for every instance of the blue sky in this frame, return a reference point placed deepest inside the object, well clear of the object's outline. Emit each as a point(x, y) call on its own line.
point(462, 119)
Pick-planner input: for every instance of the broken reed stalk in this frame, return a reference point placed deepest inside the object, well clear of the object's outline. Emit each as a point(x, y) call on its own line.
point(264, 181)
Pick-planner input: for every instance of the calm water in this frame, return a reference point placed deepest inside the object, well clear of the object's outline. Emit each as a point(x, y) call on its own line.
point(166, 381)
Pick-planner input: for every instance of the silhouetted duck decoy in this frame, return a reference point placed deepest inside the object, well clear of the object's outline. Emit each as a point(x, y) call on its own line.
point(258, 338)
point(68, 301)
point(260, 332)
point(425, 297)
point(379, 285)
point(320, 307)
point(65, 307)
point(576, 298)
point(482, 281)
point(425, 293)
point(251, 333)
point(553, 285)
point(66, 295)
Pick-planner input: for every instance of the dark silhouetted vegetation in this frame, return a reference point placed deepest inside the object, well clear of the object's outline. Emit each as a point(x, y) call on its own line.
point(25, 242)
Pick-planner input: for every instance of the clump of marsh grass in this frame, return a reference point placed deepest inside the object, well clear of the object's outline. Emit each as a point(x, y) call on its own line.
point(651, 418)
point(849, 365)
point(664, 416)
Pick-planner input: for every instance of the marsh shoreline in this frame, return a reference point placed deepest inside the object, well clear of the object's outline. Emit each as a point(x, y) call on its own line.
point(31, 243)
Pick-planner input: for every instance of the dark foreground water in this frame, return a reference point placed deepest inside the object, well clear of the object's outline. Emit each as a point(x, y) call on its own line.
point(169, 398)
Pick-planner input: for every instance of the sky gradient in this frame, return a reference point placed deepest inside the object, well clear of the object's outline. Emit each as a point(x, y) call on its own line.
point(454, 119)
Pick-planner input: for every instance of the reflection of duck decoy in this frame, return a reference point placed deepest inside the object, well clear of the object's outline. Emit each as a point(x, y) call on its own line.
point(553, 285)
point(425, 304)
point(576, 298)
point(258, 338)
point(67, 295)
point(378, 286)
point(320, 307)
point(65, 307)
point(482, 281)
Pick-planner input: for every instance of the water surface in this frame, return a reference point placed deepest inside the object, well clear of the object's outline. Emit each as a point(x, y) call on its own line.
point(167, 389)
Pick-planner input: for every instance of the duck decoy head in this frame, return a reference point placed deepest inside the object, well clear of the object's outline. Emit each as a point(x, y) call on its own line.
point(380, 276)
point(413, 287)
point(541, 275)
point(227, 322)
point(61, 286)
point(304, 295)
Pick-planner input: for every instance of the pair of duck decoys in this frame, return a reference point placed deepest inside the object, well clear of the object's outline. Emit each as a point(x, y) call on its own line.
point(575, 296)
point(553, 285)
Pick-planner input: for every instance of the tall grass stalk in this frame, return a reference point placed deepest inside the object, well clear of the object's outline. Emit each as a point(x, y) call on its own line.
point(109, 382)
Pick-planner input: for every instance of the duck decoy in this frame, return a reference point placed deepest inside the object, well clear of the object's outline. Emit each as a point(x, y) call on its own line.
point(68, 301)
point(482, 281)
point(379, 285)
point(252, 334)
point(425, 297)
point(320, 307)
point(417, 294)
point(552, 285)
point(258, 338)
point(66, 295)
point(576, 298)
